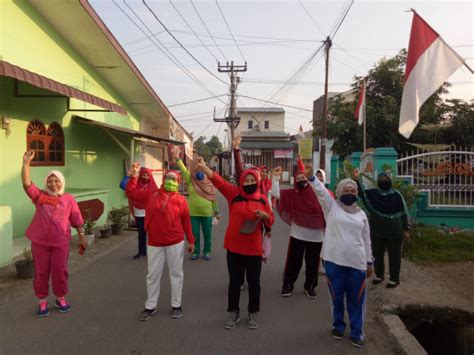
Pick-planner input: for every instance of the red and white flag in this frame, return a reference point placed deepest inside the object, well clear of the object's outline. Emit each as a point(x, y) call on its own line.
point(430, 62)
point(301, 132)
point(360, 109)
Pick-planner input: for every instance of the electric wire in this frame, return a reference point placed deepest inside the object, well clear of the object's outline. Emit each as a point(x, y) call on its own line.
point(198, 100)
point(311, 17)
point(276, 103)
point(180, 44)
point(230, 31)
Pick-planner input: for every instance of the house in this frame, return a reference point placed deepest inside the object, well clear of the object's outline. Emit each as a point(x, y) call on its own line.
point(264, 141)
point(69, 91)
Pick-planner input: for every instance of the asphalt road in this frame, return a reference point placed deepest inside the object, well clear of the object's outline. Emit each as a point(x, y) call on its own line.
point(108, 295)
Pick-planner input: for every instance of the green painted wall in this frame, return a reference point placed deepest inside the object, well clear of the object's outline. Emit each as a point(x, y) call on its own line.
point(5, 235)
point(93, 159)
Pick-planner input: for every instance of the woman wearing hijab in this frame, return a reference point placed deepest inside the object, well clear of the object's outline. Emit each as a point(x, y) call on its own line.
point(166, 222)
point(249, 215)
point(300, 208)
point(202, 206)
point(388, 226)
point(50, 234)
point(347, 256)
point(137, 208)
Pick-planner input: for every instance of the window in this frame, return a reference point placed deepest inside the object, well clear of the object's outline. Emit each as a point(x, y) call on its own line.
point(250, 124)
point(48, 144)
point(267, 124)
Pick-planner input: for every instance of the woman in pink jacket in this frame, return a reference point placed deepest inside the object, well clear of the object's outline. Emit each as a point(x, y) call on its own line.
point(50, 234)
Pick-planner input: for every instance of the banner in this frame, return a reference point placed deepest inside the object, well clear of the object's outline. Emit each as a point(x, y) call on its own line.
point(305, 148)
point(251, 152)
point(283, 153)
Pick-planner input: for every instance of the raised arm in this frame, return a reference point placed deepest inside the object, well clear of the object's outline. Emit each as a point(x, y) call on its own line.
point(25, 170)
point(184, 170)
point(131, 189)
point(225, 187)
point(237, 158)
point(325, 199)
point(299, 162)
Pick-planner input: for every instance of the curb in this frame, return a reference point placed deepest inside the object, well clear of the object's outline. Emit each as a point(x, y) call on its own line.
point(404, 338)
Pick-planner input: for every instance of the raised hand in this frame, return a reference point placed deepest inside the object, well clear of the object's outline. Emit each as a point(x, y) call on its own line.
point(134, 169)
point(236, 142)
point(28, 156)
point(298, 157)
point(356, 174)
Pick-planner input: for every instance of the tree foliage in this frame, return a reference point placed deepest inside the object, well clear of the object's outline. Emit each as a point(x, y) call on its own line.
point(208, 149)
point(383, 100)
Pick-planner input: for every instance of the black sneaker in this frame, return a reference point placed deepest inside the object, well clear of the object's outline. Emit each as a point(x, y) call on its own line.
point(176, 312)
point(357, 342)
point(377, 280)
point(336, 334)
point(310, 293)
point(147, 314)
point(138, 256)
point(392, 284)
point(286, 291)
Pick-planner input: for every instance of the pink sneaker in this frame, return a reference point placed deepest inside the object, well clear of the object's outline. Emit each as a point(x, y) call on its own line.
point(43, 310)
point(62, 305)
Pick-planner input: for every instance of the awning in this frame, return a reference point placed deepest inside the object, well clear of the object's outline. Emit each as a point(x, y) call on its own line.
point(266, 145)
point(125, 130)
point(15, 72)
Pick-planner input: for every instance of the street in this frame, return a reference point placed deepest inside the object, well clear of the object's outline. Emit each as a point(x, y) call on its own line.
point(108, 296)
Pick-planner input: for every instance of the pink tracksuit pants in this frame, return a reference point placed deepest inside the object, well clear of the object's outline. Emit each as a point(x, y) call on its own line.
point(50, 260)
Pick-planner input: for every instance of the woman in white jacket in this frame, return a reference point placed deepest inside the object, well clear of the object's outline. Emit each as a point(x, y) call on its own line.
point(347, 256)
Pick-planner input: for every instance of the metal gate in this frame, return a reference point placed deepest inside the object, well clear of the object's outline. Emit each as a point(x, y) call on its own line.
point(447, 176)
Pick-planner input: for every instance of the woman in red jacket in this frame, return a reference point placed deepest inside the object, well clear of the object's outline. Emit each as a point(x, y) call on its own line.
point(249, 215)
point(166, 221)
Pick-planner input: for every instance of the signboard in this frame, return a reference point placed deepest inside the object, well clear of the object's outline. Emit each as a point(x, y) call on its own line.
point(251, 152)
point(283, 153)
point(305, 148)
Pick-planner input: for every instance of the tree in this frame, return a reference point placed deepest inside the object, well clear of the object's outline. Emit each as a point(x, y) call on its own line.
point(460, 115)
point(209, 148)
point(383, 99)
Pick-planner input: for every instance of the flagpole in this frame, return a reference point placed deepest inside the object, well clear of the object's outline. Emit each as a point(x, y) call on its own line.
point(365, 116)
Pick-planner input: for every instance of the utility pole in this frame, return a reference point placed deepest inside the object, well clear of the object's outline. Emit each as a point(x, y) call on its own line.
point(232, 120)
point(324, 133)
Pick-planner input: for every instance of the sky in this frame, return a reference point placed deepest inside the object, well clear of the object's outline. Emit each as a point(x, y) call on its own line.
point(276, 39)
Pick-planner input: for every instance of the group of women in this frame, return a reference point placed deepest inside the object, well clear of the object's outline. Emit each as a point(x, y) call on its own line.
point(320, 223)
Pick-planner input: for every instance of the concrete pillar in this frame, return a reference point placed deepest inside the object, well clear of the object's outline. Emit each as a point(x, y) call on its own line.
point(335, 166)
point(6, 236)
point(355, 159)
point(386, 156)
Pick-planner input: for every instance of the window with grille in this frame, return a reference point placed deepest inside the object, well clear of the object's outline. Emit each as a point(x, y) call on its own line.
point(48, 143)
point(250, 126)
point(267, 124)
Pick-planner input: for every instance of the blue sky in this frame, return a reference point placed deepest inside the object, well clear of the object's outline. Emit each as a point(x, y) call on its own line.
point(275, 38)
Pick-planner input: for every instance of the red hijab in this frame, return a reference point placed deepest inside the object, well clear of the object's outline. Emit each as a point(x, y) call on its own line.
point(143, 184)
point(300, 206)
point(257, 194)
point(266, 182)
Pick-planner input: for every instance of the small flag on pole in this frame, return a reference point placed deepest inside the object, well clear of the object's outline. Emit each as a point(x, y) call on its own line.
point(360, 109)
point(430, 62)
point(301, 132)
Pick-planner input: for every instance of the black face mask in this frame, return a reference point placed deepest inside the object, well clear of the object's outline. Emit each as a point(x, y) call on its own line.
point(249, 189)
point(348, 199)
point(384, 184)
point(301, 184)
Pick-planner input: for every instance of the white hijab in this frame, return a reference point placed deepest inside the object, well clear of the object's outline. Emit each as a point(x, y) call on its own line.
point(60, 176)
point(339, 188)
point(321, 171)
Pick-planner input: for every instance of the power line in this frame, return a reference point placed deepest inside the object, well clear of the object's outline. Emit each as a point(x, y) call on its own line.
point(189, 26)
point(198, 100)
point(207, 29)
point(163, 50)
point(230, 31)
point(181, 45)
point(342, 19)
point(275, 82)
point(275, 103)
point(311, 17)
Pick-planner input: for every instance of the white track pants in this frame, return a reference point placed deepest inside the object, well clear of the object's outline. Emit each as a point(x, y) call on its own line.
point(174, 255)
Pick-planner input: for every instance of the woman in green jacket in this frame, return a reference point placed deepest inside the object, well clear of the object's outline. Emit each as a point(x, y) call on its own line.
point(202, 207)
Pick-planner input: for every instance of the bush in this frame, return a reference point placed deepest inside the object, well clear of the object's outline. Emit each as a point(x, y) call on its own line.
point(118, 215)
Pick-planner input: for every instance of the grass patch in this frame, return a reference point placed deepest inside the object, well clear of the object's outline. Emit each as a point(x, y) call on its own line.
point(430, 245)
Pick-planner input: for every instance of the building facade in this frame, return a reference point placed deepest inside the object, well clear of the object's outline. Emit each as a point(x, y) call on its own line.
point(79, 102)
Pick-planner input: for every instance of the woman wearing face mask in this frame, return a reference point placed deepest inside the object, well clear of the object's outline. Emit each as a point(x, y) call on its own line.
point(388, 226)
point(50, 234)
point(300, 208)
point(347, 256)
point(249, 215)
point(138, 210)
point(166, 222)
point(202, 206)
